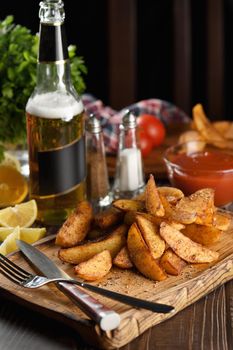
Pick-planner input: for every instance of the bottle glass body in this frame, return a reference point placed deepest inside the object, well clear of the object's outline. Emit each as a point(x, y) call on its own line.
point(55, 128)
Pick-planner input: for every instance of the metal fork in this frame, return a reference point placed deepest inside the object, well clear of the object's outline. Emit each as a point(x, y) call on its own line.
point(28, 280)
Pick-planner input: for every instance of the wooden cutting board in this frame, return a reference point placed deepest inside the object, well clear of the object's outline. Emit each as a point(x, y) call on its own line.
point(191, 285)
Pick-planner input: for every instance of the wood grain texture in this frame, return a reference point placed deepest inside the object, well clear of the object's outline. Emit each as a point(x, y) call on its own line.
point(194, 283)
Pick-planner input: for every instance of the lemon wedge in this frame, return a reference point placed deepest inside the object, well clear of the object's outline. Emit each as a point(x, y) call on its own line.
point(13, 186)
point(11, 160)
point(9, 244)
point(29, 235)
point(22, 215)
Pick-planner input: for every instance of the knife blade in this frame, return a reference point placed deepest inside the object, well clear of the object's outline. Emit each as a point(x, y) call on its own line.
point(106, 318)
point(51, 270)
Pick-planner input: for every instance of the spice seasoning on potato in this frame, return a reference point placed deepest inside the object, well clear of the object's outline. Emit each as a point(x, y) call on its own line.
point(153, 203)
point(94, 268)
point(108, 218)
point(76, 227)
point(122, 259)
point(185, 248)
point(86, 250)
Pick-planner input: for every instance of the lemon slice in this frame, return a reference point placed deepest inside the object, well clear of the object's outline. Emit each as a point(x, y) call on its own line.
point(22, 215)
point(9, 244)
point(11, 160)
point(13, 186)
point(29, 235)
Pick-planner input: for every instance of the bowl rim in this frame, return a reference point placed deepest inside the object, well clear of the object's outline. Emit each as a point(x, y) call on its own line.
point(168, 162)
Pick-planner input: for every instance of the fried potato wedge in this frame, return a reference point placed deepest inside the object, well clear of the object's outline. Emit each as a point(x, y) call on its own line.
point(172, 263)
point(122, 259)
point(150, 233)
point(185, 248)
point(95, 268)
point(112, 242)
point(76, 227)
point(222, 126)
point(222, 220)
point(154, 205)
point(108, 218)
point(130, 217)
point(172, 194)
point(141, 256)
point(156, 220)
point(190, 135)
point(202, 234)
point(198, 207)
point(206, 128)
point(129, 204)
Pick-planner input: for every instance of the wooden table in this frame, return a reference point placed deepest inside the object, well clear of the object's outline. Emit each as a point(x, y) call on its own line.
point(207, 324)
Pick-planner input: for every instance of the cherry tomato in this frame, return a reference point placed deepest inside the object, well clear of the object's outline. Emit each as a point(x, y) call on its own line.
point(153, 128)
point(146, 145)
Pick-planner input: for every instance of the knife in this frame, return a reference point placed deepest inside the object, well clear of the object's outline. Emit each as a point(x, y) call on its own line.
point(49, 269)
point(106, 318)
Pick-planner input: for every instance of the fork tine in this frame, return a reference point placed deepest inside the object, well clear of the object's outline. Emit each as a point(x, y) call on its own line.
point(11, 277)
point(12, 271)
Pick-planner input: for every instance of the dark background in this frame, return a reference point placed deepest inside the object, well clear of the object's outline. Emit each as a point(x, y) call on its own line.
point(87, 27)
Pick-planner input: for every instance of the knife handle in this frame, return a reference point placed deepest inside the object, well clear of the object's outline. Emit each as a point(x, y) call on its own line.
point(106, 318)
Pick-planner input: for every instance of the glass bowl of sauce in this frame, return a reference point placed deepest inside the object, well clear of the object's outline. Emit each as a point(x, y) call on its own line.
point(195, 165)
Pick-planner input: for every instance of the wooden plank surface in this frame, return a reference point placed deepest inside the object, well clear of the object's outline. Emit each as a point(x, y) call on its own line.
point(181, 291)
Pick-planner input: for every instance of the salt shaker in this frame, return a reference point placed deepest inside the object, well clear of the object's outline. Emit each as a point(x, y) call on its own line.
point(129, 176)
point(98, 188)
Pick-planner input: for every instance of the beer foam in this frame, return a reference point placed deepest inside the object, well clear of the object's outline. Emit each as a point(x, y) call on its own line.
point(54, 105)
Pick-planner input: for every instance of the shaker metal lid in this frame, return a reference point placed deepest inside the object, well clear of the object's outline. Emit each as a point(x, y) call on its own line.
point(129, 120)
point(93, 124)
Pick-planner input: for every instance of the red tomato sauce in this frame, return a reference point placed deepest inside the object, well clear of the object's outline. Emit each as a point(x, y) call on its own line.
point(204, 169)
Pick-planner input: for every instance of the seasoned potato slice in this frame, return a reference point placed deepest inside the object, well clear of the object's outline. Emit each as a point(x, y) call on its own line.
point(172, 194)
point(205, 128)
point(129, 204)
point(95, 268)
point(222, 220)
point(122, 259)
point(112, 242)
point(154, 205)
point(202, 234)
point(108, 218)
point(142, 257)
point(190, 135)
point(172, 263)
point(185, 248)
point(76, 227)
point(198, 207)
point(150, 233)
point(130, 217)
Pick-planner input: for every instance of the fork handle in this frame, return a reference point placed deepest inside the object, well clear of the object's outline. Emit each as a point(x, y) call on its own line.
point(106, 318)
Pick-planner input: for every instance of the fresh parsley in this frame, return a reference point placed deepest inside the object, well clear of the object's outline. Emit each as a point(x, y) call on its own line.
point(18, 52)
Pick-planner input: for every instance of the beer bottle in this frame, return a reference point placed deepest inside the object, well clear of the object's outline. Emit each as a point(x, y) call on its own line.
point(55, 124)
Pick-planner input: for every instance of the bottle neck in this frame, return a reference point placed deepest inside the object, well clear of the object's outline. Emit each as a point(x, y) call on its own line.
point(53, 69)
point(53, 45)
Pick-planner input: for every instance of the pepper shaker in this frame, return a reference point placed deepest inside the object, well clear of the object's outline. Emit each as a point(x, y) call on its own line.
point(98, 187)
point(129, 176)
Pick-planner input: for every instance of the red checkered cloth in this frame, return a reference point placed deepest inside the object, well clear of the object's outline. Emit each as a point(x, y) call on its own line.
point(111, 119)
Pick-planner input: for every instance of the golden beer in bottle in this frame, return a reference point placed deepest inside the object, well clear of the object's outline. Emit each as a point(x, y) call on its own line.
point(55, 124)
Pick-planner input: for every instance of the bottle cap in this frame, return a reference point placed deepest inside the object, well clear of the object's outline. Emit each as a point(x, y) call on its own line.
point(93, 124)
point(129, 120)
point(52, 11)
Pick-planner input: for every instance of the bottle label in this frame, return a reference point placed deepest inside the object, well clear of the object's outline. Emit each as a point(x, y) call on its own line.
point(62, 169)
point(53, 46)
